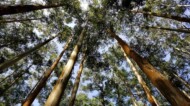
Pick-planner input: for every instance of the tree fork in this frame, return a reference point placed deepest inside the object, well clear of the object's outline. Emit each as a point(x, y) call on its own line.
point(170, 92)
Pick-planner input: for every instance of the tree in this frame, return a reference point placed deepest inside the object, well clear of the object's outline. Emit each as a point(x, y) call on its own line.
point(168, 29)
point(76, 84)
point(61, 83)
point(173, 17)
point(6, 10)
point(41, 83)
point(159, 80)
point(8, 63)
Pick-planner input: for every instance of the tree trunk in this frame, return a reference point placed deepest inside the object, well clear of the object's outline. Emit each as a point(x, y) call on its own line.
point(15, 20)
point(76, 84)
point(173, 17)
point(30, 98)
point(9, 63)
point(170, 92)
point(168, 29)
point(150, 97)
point(182, 80)
point(16, 78)
point(129, 90)
point(7, 10)
point(58, 90)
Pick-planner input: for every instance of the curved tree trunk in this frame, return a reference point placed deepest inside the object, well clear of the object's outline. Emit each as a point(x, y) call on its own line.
point(30, 98)
point(9, 63)
point(7, 10)
point(177, 18)
point(76, 84)
point(150, 97)
point(60, 86)
point(170, 92)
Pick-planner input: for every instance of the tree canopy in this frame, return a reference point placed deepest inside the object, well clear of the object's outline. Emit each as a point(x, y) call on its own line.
point(94, 52)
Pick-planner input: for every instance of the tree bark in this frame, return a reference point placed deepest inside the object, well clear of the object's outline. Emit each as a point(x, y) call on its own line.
point(168, 29)
point(150, 97)
point(30, 98)
point(170, 92)
point(76, 84)
point(9, 63)
point(58, 90)
point(17, 20)
point(7, 10)
point(173, 17)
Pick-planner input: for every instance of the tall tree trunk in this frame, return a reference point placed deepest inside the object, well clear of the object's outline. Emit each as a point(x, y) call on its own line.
point(17, 20)
point(9, 63)
point(150, 97)
point(7, 10)
point(58, 90)
point(76, 84)
point(168, 29)
point(173, 17)
point(42, 82)
point(170, 92)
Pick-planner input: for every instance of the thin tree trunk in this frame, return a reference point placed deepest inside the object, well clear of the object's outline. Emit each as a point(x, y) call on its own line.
point(170, 92)
point(58, 90)
point(182, 80)
point(150, 97)
point(7, 77)
point(173, 17)
point(15, 20)
point(9, 63)
point(122, 78)
point(76, 84)
point(17, 77)
point(7, 10)
point(42, 82)
point(168, 29)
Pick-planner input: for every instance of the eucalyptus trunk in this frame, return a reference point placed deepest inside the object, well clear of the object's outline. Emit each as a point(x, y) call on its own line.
point(169, 29)
point(11, 62)
point(17, 20)
point(173, 17)
point(76, 84)
point(150, 97)
point(60, 86)
point(7, 10)
point(170, 92)
point(42, 82)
